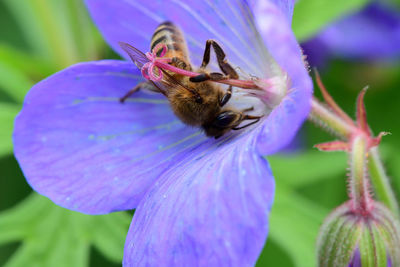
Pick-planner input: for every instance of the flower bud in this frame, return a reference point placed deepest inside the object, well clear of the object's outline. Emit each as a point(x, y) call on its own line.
point(352, 239)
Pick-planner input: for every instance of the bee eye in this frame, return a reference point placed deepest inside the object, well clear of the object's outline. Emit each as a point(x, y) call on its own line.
point(225, 119)
point(199, 99)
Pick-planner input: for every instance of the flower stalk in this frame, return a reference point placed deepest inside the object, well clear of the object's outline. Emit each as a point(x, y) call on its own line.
point(325, 118)
point(381, 181)
point(359, 186)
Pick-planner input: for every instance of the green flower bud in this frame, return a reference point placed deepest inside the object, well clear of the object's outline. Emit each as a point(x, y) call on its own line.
point(353, 239)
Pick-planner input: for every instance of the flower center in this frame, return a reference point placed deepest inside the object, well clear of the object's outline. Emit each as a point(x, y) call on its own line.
point(264, 99)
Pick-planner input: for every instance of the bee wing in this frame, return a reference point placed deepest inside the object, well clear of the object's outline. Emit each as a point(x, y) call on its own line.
point(137, 56)
point(171, 82)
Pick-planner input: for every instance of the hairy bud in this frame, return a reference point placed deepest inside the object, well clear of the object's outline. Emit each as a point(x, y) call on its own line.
point(352, 239)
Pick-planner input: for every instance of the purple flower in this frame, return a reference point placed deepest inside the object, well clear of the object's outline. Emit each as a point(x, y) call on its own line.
point(370, 34)
point(197, 199)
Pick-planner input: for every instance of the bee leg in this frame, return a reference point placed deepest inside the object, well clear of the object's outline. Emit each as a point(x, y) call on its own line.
point(200, 78)
point(206, 56)
point(225, 98)
point(225, 67)
point(214, 76)
point(248, 109)
point(142, 85)
point(248, 117)
point(131, 92)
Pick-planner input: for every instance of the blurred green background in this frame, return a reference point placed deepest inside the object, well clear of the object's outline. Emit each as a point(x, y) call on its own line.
point(40, 37)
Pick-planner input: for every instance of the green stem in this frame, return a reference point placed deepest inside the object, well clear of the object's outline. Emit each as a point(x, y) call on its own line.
point(328, 120)
point(359, 191)
point(381, 181)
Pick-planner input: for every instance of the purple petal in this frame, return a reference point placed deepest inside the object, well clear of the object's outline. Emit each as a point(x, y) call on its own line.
point(86, 151)
point(228, 22)
point(373, 33)
point(286, 6)
point(284, 121)
point(211, 210)
point(356, 260)
point(316, 51)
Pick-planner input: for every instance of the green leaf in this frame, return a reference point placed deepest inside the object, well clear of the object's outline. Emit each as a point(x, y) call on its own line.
point(53, 236)
point(14, 82)
point(273, 255)
point(15, 219)
point(60, 32)
point(53, 242)
point(7, 115)
point(296, 170)
point(112, 230)
point(30, 25)
point(82, 27)
point(310, 16)
point(27, 63)
point(294, 225)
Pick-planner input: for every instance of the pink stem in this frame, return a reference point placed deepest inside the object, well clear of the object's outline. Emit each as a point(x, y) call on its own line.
point(237, 83)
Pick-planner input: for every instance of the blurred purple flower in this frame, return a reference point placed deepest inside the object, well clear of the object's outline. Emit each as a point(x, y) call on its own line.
point(197, 199)
point(370, 34)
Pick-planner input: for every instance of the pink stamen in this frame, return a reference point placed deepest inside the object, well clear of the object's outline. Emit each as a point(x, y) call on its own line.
point(246, 84)
point(144, 70)
point(174, 69)
point(158, 47)
point(162, 64)
point(149, 70)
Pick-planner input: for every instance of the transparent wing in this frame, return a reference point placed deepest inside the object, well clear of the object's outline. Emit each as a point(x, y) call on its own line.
point(170, 82)
point(139, 58)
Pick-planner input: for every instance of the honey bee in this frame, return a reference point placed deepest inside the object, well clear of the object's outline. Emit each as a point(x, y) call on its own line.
point(196, 101)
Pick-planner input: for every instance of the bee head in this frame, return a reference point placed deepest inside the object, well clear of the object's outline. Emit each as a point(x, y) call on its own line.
point(222, 123)
point(199, 99)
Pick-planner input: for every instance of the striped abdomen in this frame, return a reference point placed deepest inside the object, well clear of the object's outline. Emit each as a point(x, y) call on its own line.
point(172, 37)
